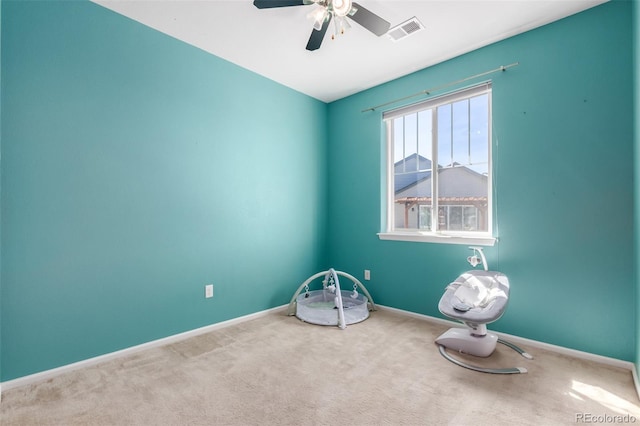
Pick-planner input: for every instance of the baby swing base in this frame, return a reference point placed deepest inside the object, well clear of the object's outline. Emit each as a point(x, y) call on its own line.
point(462, 340)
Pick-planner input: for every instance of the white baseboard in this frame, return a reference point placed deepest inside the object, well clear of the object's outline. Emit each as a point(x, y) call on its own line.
point(48, 374)
point(636, 382)
point(531, 343)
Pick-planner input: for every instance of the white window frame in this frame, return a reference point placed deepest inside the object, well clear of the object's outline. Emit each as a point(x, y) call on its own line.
point(438, 236)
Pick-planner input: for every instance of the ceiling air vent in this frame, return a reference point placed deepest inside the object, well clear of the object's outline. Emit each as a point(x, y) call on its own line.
point(405, 29)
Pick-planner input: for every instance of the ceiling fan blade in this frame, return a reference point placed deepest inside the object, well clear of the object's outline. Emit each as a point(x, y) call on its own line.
point(266, 4)
point(317, 35)
point(369, 20)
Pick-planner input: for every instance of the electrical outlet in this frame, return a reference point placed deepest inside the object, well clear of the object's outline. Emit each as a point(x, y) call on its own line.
point(208, 291)
point(367, 275)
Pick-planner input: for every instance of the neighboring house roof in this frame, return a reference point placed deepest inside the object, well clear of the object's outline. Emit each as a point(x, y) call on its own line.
point(455, 182)
point(404, 178)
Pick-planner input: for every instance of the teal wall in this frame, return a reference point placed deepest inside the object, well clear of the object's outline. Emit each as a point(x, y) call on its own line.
point(0, 189)
point(135, 170)
point(563, 151)
point(636, 120)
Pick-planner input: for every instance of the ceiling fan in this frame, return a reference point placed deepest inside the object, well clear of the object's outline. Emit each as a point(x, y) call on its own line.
point(338, 10)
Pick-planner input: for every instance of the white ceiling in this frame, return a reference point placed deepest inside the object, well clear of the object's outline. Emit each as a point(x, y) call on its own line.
point(272, 42)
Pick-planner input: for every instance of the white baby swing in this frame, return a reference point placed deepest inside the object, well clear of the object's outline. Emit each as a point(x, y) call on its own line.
point(331, 305)
point(476, 298)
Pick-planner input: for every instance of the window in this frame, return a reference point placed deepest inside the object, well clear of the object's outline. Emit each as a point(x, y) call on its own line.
point(439, 169)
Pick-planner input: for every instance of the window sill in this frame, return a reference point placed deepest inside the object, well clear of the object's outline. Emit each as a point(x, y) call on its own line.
point(424, 237)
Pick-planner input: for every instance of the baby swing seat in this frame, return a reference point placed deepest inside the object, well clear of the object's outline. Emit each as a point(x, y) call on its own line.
point(476, 298)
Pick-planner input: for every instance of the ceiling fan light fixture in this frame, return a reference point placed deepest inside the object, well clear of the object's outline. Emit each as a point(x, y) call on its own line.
point(318, 15)
point(341, 7)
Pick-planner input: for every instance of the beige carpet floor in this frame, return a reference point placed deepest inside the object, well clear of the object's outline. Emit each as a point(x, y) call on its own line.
point(277, 370)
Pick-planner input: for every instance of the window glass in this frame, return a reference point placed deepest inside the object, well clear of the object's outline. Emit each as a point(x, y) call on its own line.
point(454, 129)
